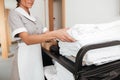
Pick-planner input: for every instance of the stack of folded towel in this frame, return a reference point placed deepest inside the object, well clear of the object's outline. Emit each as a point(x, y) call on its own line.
point(86, 34)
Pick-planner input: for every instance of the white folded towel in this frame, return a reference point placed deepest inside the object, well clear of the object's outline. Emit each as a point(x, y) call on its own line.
point(86, 34)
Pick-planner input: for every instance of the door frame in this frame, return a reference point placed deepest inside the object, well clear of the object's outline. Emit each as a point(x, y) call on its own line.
point(51, 14)
point(3, 31)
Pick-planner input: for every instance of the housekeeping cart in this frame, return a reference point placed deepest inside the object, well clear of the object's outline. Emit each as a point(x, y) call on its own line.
point(108, 71)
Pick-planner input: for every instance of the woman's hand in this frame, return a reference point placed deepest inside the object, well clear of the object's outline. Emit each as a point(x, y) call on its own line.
point(63, 35)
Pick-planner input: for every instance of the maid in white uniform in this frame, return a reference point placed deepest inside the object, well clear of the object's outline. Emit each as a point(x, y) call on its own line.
point(27, 30)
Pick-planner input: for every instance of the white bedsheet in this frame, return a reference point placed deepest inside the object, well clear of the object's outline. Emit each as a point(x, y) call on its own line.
point(90, 34)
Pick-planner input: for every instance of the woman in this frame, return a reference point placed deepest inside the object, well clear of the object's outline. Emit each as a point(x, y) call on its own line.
point(27, 30)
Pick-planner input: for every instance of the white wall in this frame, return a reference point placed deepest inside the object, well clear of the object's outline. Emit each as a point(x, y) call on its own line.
point(38, 10)
point(91, 11)
point(10, 4)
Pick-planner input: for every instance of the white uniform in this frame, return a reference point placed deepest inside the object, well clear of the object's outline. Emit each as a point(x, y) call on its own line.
point(27, 64)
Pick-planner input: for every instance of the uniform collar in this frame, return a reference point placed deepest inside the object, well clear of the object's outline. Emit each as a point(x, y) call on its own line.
point(24, 13)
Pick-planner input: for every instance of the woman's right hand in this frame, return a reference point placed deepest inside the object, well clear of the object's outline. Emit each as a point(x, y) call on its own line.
point(63, 35)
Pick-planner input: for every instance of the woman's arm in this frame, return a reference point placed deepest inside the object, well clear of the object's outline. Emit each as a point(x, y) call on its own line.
point(57, 34)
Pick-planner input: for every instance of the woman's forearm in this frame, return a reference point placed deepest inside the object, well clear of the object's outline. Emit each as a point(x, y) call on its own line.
point(34, 39)
point(57, 34)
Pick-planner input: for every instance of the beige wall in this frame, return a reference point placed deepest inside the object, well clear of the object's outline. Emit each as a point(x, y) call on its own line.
point(77, 11)
point(91, 11)
point(57, 14)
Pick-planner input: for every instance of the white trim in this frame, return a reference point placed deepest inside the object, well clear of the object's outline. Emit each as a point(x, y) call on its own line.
point(19, 30)
point(24, 13)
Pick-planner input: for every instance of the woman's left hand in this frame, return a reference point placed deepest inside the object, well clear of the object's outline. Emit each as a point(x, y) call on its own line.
point(63, 35)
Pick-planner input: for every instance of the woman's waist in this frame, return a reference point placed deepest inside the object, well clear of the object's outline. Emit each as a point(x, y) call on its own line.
point(22, 43)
